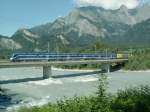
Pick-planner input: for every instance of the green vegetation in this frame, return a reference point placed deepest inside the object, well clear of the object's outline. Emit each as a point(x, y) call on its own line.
point(129, 100)
point(5, 54)
point(132, 100)
point(139, 61)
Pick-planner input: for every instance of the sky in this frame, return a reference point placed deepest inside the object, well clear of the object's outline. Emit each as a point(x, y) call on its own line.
point(15, 14)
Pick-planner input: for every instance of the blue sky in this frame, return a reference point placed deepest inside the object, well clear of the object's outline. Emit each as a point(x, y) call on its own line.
point(15, 14)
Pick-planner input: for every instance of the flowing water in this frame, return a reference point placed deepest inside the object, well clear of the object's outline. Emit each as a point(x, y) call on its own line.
point(25, 87)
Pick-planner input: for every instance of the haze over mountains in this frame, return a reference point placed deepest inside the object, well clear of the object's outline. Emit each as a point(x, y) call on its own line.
point(84, 27)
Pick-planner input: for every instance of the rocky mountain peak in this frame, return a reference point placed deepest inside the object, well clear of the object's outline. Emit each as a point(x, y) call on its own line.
point(123, 8)
point(83, 26)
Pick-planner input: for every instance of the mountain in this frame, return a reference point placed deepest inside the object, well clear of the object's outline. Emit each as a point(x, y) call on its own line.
point(138, 35)
point(141, 13)
point(8, 43)
point(83, 27)
point(25, 38)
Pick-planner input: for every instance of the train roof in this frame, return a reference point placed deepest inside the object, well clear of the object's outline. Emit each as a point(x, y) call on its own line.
point(30, 53)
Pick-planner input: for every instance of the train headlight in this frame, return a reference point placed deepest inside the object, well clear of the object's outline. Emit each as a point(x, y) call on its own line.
point(11, 59)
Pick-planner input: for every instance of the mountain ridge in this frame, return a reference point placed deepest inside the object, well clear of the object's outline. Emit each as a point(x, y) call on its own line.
point(83, 27)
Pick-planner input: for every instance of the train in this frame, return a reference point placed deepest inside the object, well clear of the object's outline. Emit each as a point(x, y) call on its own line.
point(63, 56)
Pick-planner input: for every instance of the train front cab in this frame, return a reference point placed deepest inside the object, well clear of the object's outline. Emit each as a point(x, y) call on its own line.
point(120, 56)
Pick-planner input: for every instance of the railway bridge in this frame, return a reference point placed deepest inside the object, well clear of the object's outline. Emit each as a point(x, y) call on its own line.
point(47, 73)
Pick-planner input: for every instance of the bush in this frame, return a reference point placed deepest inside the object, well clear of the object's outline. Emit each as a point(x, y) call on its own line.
point(102, 101)
point(77, 104)
point(132, 100)
point(139, 61)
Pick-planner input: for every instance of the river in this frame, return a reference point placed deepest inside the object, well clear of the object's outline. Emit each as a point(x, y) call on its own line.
point(25, 87)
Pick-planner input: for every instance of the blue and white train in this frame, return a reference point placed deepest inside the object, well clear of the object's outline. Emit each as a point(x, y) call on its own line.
point(60, 56)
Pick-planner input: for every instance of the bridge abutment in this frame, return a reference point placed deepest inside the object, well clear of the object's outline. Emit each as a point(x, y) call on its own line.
point(106, 68)
point(47, 72)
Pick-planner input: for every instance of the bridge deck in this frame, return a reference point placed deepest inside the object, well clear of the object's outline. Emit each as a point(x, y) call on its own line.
point(7, 64)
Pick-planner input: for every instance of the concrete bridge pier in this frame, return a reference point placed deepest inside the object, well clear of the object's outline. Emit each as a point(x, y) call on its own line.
point(106, 68)
point(47, 72)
